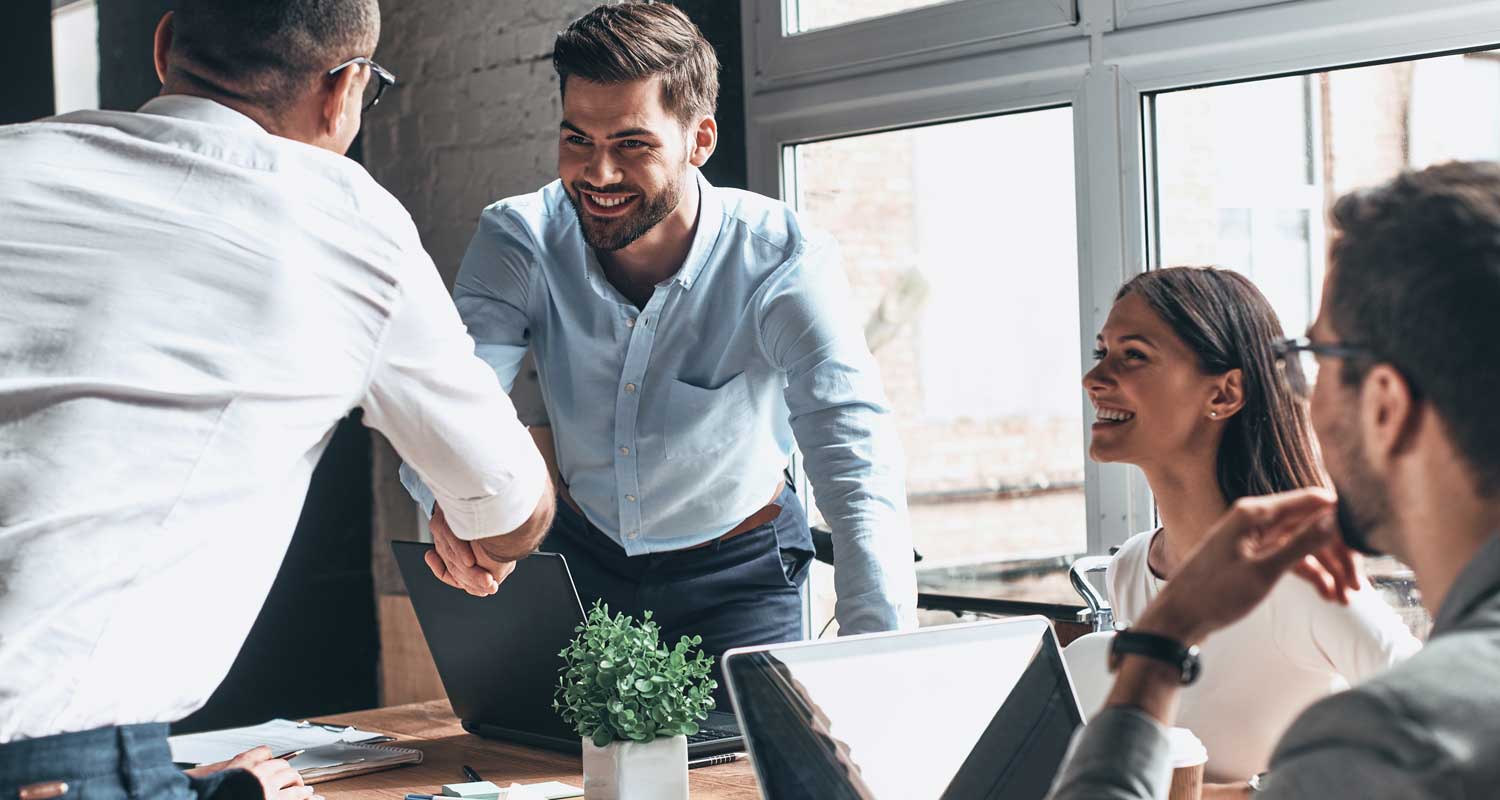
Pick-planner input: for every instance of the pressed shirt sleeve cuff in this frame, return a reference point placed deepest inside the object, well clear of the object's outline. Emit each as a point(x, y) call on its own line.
point(481, 518)
point(1121, 754)
point(498, 514)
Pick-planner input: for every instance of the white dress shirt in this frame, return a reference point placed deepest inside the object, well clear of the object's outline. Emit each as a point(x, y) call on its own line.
point(1294, 649)
point(190, 305)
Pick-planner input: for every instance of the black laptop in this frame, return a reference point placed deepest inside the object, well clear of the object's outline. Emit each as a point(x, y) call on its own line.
point(498, 656)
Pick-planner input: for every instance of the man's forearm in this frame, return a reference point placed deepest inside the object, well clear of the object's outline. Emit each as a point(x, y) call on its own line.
point(1149, 686)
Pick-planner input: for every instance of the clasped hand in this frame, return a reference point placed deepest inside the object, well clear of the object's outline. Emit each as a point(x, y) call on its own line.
point(469, 566)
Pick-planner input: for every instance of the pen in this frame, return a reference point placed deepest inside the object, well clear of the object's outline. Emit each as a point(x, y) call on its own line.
point(710, 761)
point(423, 797)
point(289, 756)
point(471, 774)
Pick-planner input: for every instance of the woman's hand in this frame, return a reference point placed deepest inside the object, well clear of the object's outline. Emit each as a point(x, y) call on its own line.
point(277, 778)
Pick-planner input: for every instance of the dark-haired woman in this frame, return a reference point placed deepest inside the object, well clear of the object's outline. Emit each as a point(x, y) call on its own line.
point(1187, 388)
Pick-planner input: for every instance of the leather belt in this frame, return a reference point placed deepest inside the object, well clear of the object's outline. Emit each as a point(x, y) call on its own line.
point(763, 515)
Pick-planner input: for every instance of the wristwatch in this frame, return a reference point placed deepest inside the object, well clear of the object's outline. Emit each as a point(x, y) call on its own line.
point(1160, 648)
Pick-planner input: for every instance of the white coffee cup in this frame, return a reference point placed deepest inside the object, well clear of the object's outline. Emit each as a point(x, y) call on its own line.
point(1188, 759)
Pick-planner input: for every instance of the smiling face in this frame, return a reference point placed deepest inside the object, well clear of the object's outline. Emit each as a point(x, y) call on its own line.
point(623, 159)
point(1149, 393)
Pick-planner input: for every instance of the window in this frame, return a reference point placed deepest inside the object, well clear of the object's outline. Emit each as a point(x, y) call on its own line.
point(1238, 173)
point(807, 15)
point(1246, 172)
point(960, 245)
point(75, 55)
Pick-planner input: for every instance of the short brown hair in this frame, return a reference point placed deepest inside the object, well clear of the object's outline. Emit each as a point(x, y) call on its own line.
point(630, 41)
point(1415, 280)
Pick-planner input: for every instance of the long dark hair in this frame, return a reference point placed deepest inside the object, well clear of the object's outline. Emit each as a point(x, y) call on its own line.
point(1229, 324)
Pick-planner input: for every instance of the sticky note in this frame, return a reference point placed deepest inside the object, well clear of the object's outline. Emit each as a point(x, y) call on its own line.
point(479, 790)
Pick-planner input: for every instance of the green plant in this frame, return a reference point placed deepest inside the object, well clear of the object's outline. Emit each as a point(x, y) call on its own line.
point(621, 683)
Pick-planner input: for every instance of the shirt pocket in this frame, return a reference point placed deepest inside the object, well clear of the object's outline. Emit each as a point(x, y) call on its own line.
point(702, 420)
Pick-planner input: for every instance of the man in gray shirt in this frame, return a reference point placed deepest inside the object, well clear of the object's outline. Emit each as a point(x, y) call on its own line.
point(1407, 377)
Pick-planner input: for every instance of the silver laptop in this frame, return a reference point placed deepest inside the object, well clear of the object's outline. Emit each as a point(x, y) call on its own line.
point(960, 712)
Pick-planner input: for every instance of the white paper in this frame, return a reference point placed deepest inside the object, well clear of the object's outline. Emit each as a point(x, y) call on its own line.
point(281, 735)
point(551, 790)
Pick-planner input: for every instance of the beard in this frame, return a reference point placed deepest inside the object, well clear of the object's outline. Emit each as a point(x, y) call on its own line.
point(609, 235)
point(1363, 507)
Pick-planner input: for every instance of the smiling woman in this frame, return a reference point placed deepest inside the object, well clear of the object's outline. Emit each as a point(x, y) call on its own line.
point(1187, 387)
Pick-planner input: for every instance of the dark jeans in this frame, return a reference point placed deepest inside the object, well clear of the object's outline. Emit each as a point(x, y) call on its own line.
point(745, 591)
point(131, 761)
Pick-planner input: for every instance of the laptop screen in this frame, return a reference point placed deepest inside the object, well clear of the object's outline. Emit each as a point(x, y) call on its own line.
point(983, 710)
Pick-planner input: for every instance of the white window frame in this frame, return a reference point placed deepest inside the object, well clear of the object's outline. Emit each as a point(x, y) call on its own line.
point(825, 84)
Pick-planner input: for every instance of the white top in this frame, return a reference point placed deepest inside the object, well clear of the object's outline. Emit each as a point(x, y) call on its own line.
point(1261, 672)
point(190, 306)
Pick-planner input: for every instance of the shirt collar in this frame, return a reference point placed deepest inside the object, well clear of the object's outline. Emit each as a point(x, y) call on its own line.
point(710, 220)
point(199, 109)
point(1478, 581)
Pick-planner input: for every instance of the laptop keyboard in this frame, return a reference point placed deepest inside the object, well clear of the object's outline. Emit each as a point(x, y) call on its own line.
point(710, 735)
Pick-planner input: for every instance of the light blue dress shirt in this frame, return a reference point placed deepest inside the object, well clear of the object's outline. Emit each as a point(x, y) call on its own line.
point(673, 422)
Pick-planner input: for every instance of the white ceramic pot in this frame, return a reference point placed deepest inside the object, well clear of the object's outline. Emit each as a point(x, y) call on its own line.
point(655, 770)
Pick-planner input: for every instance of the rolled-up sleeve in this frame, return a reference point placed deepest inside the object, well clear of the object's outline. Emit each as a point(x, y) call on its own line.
point(446, 414)
point(842, 423)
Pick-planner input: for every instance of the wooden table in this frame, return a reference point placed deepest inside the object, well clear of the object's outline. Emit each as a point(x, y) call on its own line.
point(446, 746)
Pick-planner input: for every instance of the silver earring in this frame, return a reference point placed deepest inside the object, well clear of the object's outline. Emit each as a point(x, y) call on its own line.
point(1214, 414)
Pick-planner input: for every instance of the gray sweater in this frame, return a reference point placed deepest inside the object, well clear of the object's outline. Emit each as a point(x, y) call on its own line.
point(1427, 728)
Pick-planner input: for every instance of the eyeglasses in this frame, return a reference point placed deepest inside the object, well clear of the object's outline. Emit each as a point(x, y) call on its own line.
point(374, 89)
point(1297, 360)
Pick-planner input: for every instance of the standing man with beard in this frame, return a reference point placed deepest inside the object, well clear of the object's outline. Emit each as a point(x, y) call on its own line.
point(1406, 354)
point(685, 336)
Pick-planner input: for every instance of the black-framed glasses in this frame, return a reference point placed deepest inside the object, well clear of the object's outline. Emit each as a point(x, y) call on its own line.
point(1298, 359)
point(384, 78)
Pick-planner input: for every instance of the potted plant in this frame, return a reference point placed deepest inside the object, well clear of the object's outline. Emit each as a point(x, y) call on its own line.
point(634, 702)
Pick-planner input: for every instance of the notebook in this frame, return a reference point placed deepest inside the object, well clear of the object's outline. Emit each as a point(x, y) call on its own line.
point(281, 735)
point(347, 759)
point(329, 751)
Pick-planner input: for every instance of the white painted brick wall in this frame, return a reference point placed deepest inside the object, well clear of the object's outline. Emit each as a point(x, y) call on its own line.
point(475, 117)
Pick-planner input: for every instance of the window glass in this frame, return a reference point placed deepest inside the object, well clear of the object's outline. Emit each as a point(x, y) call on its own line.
point(960, 246)
point(1245, 174)
point(806, 15)
point(75, 56)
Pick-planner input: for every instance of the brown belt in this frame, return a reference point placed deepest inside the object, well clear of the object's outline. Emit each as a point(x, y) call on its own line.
point(765, 514)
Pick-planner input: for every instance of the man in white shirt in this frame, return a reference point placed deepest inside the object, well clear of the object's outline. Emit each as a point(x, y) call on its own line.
point(194, 295)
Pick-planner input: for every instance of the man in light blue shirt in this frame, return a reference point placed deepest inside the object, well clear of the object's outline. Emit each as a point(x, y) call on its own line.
point(685, 337)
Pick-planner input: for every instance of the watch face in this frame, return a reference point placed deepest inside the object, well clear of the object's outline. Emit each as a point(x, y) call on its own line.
point(1191, 666)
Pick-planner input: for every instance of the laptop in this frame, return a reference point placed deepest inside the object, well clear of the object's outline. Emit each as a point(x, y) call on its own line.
point(960, 712)
point(498, 656)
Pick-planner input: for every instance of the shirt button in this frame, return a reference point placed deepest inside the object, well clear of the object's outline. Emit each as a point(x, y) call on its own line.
point(632, 535)
point(624, 451)
point(630, 388)
point(630, 323)
point(630, 498)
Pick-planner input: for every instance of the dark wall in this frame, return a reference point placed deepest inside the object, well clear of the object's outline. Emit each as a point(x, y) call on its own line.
point(127, 77)
point(26, 91)
point(720, 22)
point(315, 647)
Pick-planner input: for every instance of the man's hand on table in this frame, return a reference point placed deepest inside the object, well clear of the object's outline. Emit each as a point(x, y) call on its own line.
point(277, 778)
